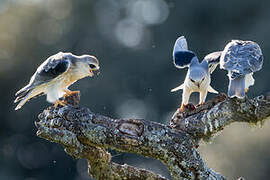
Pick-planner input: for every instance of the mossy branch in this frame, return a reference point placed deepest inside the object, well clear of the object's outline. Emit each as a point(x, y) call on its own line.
point(85, 134)
point(213, 116)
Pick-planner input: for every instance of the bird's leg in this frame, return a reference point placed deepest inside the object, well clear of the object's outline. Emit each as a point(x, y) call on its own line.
point(185, 98)
point(71, 97)
point(182, 108)
point(69, 92)
point(58, 102)
point(202, 97)
point(246, 90)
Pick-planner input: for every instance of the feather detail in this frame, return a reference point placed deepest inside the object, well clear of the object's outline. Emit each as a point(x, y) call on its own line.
point(23, 90)
point(213, 60)
point(21, 95)
point(180, 44)
point(181, 55)
point(237, 87)
point(29, 95)
point(178, 88)
point(212, 90)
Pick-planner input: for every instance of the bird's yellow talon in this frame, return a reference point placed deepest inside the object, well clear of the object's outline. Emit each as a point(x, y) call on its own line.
point(58, 102)
point(70, 93)
point(182, 108)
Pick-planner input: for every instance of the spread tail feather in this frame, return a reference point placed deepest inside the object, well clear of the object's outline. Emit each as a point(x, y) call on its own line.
point(26, 96)
point(21, 95)
point(178, 88)
point(23, 90)
point(212, 90)
point(22, 99)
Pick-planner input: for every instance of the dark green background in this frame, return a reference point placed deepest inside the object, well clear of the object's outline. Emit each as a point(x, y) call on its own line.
point(133, 39)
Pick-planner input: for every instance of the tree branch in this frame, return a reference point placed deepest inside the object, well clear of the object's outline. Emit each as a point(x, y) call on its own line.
point(85, 134)
point(221, 111)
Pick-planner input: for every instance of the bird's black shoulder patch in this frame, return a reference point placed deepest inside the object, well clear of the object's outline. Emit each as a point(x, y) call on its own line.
point(182, 58)
point(54, 68)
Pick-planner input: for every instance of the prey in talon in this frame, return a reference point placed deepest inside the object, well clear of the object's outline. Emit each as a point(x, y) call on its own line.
point(198, 75)
point(55, 75)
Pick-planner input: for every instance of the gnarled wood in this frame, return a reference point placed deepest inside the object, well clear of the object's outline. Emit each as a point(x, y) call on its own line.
point(85, 134)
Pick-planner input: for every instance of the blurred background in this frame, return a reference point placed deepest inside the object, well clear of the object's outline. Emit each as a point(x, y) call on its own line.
point(133, 39)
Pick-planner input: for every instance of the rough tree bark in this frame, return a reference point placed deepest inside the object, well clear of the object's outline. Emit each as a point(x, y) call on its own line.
point(85, 134)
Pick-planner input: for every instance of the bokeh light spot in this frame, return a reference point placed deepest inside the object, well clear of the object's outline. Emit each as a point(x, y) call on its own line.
point(129, 33)
point(150, 12)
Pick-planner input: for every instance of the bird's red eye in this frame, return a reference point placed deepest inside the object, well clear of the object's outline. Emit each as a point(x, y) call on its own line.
point(192, 80)
point(92, 66)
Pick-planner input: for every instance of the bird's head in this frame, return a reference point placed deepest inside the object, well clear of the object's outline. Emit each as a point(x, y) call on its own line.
point(86, 65)
point(92, 64)
point(198, 73)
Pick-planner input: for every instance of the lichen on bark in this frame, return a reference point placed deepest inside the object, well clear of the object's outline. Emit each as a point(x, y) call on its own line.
point(88, 135)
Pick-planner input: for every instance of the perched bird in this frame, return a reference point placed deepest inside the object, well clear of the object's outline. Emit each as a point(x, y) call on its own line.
point(198, 75)
point(55, 75)
point(241, 59)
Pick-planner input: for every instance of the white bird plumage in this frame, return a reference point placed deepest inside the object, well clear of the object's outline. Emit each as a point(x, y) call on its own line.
point(55, 75)
point(198, 75)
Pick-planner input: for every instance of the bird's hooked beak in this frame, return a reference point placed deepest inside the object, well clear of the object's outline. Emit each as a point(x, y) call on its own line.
point(196, 83)
point(94, 71)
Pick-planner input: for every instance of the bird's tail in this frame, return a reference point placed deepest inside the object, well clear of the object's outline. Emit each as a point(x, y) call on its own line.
point(24, 95)
point(24, 90)
point(237, 87)
point(178, 88)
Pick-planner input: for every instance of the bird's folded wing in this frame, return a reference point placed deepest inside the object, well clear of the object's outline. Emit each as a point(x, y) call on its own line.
point(48, 70)
point(241, 58)
point(213, 60)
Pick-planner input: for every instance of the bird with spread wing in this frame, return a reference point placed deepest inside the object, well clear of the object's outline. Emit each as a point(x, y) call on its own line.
point(198, 76)
point(55, 75)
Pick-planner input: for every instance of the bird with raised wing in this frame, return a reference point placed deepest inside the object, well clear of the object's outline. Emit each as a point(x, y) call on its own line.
point(55, 75)
point(198, 74)
point(241, 59)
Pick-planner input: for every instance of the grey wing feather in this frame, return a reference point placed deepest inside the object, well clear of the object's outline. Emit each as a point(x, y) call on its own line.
point(181, 55)
point(48, 70)
point(213, 60)
point(241, 58)
point(180, 44)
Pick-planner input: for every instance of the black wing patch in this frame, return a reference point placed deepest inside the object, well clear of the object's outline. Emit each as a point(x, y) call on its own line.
point(182, 59)
point(54, 69)
point(49, 70)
